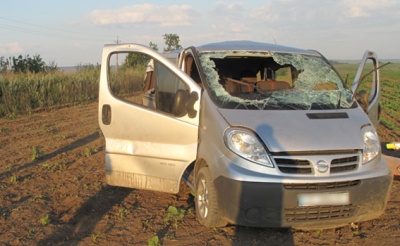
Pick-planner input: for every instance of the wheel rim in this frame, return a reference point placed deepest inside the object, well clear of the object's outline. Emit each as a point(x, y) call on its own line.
point(202, 199)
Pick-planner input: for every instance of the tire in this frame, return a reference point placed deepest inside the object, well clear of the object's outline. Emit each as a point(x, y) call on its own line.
point(206, 201)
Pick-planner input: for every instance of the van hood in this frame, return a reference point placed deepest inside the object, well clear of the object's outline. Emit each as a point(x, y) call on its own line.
point(302, 130)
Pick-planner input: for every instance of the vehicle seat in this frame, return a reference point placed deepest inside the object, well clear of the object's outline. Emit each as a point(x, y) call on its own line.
point(231, 87)
point(326, 86)
point(267, 85)
point(237, 86)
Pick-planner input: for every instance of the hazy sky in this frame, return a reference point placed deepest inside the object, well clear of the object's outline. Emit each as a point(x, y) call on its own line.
point(73, 32)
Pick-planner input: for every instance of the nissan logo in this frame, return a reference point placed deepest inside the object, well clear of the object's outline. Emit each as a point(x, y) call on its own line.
point(322, 166)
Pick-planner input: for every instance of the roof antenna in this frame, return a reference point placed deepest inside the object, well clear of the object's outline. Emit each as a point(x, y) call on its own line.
point(274, 40)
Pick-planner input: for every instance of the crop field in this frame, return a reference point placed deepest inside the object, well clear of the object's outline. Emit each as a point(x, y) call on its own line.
point(389, 129)
point(52, 177)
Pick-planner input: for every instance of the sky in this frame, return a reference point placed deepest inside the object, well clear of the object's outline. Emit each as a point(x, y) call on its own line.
point(73, 32)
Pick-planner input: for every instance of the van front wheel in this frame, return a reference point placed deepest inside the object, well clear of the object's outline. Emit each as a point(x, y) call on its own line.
point(206, 200)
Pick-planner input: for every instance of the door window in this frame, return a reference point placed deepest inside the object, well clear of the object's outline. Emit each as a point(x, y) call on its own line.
point(366, 91)
point(139, 79)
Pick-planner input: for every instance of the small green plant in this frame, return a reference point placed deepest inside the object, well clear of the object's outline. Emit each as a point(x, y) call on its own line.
point(61, 137)
point(122, 212)
point(52, 168)
point(174, 215)
point(14, 179)
point(45, 220)
point(95, 236)
point(154, 241)
point(90, 151)
point(354, 228)
point(31, 234)
point(37, 153)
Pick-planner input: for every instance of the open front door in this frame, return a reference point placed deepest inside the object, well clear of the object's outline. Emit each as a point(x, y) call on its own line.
point(149, 114)
point(367, 86)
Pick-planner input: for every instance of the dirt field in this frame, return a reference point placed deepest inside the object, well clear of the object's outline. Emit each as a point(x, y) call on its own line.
point(53, 192)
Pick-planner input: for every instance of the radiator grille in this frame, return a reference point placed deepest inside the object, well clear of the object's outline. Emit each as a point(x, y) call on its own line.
point(318, 213)
point(297, 166)
point(293, 166)
point(321, 186)
point(344, 164)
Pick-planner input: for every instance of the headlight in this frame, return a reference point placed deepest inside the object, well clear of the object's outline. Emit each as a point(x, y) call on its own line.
point(245, 144)
point(371, 144)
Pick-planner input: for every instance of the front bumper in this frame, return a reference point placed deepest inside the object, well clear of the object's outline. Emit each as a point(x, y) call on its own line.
point(260, 204)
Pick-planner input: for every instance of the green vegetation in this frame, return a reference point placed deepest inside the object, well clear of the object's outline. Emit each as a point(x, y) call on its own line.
point(136, 59)
point(25, 64)
point(24, 92)
point(123, 212)
point(29, 83)
point(31, 234)
point(172, 42)
point(95, 236)
point(14, 179)
point(390, 80)
point(90, 151)
point(45, 220)
point(54, 168)
point(174, 215)
point(154, 241)
point(37, 153)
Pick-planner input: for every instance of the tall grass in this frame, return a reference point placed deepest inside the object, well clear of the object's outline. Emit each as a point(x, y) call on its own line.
point(22, 93)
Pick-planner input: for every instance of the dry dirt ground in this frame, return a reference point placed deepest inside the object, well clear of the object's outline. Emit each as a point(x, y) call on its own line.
point(53, 192)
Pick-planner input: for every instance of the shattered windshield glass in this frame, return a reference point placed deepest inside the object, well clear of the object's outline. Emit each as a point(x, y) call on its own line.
point(271, 80)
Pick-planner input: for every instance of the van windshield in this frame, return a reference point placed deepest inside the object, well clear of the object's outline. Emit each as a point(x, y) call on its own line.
point(272, 80)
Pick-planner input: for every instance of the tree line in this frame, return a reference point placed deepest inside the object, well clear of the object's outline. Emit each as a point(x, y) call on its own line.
point(25, 64)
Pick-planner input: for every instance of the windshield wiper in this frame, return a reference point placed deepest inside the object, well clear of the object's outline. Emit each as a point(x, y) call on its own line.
point(339, 101)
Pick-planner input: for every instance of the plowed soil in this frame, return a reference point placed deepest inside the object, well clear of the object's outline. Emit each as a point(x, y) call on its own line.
point(53, 192)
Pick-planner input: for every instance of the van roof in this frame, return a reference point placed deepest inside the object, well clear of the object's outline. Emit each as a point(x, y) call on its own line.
point(252, 46)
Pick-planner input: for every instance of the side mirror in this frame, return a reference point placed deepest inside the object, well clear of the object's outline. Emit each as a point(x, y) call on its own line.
point(180, 100)
point(184, 103)
point(190, 104)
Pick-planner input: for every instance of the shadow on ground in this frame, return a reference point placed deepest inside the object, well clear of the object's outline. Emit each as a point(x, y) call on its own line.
point(76, 144)
point(84, 221)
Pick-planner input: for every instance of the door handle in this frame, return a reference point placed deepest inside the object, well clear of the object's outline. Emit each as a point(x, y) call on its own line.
point(106, 114)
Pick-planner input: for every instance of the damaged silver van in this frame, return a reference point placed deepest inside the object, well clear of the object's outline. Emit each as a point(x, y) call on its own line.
point(265, 135)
